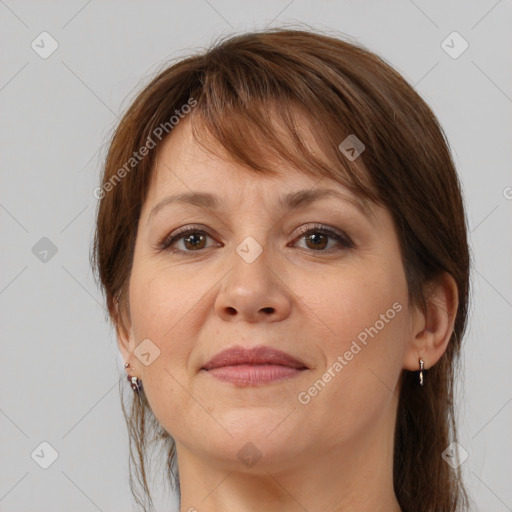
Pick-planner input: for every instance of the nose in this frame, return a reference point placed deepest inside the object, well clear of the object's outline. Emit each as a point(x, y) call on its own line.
point(253, 291)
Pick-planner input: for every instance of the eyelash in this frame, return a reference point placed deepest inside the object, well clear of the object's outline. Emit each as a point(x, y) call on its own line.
point(166, 242)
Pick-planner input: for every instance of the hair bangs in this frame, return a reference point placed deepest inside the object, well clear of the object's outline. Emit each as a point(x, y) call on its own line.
point(264, 133)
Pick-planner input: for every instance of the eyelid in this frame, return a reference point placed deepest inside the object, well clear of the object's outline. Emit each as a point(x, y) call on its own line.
point(302, 230)
point(338, 235)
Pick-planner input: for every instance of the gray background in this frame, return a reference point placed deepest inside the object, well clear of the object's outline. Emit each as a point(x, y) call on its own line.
point(60, 364)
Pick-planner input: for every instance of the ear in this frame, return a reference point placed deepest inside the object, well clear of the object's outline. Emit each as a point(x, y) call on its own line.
point(432, 327)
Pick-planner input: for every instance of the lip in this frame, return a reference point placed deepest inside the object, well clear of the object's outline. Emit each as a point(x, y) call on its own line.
point(249, 367)
point(261, 355)
point(250, 375)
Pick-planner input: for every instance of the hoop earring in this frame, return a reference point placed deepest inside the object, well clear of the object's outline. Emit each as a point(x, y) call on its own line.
point(135, 382)
point(421, 372)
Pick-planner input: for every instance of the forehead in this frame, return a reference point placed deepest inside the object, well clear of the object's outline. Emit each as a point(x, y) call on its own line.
point(182, 165)
point(185, 165)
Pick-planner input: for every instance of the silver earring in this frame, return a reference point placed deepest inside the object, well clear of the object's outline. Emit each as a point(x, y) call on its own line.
point(135, 382)
point(421, 372)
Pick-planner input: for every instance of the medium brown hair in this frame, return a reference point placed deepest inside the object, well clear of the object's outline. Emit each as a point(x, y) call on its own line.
point(238, 87)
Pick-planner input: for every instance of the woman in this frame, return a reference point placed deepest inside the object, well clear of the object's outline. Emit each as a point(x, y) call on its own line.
point(282, 243)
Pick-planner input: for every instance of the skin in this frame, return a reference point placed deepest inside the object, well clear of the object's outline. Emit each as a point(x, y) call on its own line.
point(334, 453)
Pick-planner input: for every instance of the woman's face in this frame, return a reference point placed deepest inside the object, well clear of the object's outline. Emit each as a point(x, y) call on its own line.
point(248, 276)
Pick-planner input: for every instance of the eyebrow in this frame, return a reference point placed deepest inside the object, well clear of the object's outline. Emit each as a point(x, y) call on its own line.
point(289, 201)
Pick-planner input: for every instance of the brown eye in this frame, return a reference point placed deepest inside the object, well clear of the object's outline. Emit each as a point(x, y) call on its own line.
point(194, 241)
point(191, 239)
point(317, 238)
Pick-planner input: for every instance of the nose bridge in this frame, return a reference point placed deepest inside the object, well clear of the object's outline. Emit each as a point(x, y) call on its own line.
point(251, 262)
point(251, 289)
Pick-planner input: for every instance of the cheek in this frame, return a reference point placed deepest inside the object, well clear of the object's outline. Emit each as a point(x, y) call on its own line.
point(362, 334)
point(165, 300)
point(163, 312)
point(169, 308)
point(353, 299)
